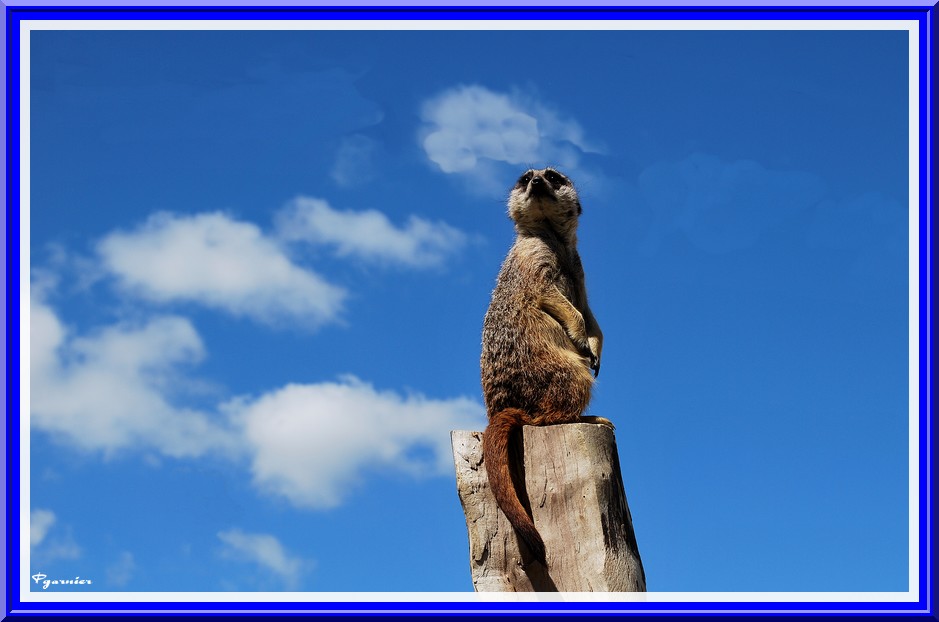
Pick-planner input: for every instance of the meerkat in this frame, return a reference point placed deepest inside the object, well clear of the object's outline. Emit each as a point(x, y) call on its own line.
point(540, 340)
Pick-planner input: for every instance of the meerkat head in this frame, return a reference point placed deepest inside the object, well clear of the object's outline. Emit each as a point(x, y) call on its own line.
point(544, 198)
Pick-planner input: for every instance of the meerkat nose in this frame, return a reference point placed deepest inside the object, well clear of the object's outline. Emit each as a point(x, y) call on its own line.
point(540, 187)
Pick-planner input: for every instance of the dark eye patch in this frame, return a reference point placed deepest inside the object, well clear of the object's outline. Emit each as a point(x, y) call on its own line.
point(555, 178)
point(524, 179)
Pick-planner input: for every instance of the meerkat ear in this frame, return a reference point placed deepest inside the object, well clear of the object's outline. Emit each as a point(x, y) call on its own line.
point(580, 210)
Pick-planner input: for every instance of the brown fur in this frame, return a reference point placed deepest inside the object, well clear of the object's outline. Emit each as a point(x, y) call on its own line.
point(540, 340)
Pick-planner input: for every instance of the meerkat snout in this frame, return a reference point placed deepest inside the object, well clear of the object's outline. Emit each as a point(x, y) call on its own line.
point(538, 186)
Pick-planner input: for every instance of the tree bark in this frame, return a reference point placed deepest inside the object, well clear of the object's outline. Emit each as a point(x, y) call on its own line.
point(574, 489)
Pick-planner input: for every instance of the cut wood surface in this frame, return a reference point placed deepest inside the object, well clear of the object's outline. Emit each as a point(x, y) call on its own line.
point(573, 486)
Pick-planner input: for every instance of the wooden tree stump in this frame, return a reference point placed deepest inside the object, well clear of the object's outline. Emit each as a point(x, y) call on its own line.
point(573, 486)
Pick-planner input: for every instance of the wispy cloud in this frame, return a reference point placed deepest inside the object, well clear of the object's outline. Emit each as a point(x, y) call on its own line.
point(107, 390)
point(265, 551)
point(40, 521)
point(467, 125)
point(723, 206)
point(254, 117)
point(855, 221)
point(312, 442)
point(869, 231)
point(44, 548)
point(121, 571)
point(369, 234)
point(223, 263)
point(354, 163)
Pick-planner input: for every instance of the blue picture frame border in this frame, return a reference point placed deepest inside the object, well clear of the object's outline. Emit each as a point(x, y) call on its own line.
point(14, 608)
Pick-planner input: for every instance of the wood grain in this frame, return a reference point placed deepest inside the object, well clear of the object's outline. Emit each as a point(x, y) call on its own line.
point(571, 483)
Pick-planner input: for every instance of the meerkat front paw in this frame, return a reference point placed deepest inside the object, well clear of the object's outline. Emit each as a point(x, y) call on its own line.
point(587, 350)
point(594, 345)
point(583, 348)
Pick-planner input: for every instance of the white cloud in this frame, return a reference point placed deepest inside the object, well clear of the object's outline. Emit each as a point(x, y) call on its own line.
point(220, 262)
point(40, 521)
point(311, 443)
point(469, 123)
point(266, 551)
point(368, 234)
point(111, 391)
point(120, 572)
point(107, 391)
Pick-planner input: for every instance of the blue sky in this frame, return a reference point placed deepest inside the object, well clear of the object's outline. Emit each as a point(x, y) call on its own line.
point(260, 263)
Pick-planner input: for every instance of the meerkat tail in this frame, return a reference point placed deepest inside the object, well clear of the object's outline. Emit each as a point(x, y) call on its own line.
point(496, 459)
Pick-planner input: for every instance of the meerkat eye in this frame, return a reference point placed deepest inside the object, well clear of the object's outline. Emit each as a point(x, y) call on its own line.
point(524, 179)
point(555, 178)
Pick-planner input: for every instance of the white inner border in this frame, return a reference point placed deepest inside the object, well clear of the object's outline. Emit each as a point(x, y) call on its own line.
point(27, 26)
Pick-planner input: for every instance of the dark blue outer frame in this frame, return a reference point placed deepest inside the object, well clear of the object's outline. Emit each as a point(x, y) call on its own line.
point(924, 608)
